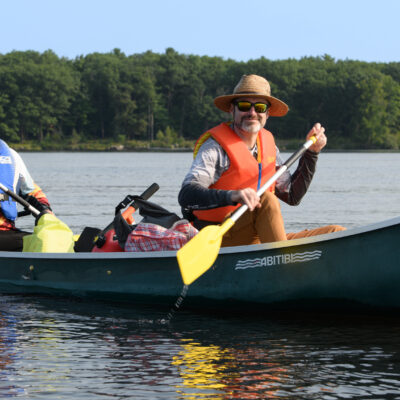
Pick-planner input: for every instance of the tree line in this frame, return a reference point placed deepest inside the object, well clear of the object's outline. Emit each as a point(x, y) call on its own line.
point(169, 97)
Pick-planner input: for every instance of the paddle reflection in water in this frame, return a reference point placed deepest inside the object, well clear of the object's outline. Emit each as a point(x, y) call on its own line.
point(68, 349)
point(322, 361)
point(222, 373)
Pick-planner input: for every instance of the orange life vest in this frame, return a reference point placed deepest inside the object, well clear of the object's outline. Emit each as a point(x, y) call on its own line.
point(244, 170)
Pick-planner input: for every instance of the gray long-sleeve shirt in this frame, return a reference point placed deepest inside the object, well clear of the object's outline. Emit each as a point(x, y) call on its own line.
point(211, 161)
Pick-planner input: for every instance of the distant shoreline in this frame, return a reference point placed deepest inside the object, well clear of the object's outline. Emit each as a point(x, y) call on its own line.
point(187, 150)
point(147, 147)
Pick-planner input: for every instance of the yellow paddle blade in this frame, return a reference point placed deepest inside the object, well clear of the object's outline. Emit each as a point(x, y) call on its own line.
point(199, 254)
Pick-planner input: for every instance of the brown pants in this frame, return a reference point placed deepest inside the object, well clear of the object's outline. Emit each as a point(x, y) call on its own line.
point(265, 225)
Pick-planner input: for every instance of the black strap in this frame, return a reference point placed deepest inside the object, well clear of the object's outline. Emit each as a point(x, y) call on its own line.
point(128, 201)
point(24, 213)
point(124, 203)
point(122, 229)
point(152, 214)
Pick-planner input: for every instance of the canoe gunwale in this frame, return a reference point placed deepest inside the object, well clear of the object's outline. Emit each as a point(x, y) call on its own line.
point(313, 239)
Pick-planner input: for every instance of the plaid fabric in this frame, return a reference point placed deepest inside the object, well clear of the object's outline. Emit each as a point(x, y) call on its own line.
point(152, 237)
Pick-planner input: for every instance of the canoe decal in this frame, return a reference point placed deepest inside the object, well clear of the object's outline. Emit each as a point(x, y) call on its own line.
point(279, 259)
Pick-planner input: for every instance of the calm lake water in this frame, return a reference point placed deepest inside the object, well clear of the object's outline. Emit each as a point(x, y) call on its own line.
point(62, 348)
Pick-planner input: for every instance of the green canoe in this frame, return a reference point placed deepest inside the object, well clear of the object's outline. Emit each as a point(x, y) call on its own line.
point(358, 266)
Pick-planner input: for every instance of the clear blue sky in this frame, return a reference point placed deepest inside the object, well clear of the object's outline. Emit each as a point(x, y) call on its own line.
point(366, 30)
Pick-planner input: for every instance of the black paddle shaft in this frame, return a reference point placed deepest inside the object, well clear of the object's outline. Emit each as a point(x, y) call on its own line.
point(284, 167)
point(129, 201)
point(20, 200)
point(295, 156)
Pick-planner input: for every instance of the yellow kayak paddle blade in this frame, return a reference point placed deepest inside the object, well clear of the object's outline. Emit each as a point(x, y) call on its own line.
point(199, 254)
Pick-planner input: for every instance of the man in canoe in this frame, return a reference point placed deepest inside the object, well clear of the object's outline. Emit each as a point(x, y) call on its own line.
point(233, 160)
point(15, 177)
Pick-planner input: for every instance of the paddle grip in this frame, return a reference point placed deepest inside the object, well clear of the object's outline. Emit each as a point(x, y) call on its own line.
point(299, 152)
point(150, 191)
point(127, 214)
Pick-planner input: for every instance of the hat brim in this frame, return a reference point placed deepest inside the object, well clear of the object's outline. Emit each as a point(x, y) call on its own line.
point(277, 109)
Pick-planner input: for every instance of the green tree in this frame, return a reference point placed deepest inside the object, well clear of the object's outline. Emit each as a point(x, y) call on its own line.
point(378, 112)
point(100, 78)
point(111, 95)
point(39, 89)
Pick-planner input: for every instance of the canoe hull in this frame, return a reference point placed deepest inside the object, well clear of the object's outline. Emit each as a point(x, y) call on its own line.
point(360, 265)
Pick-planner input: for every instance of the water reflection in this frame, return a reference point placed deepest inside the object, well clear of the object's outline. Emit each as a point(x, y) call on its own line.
point(68, 349)
point(202, 368)
point(292, 361)
point(245, 374)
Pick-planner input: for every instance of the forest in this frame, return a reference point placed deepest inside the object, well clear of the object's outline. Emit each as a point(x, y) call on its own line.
point(166, 100)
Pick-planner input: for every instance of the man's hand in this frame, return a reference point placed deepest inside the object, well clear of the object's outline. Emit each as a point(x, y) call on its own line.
point(33, 201)
point(246, 196)
point(319, 132)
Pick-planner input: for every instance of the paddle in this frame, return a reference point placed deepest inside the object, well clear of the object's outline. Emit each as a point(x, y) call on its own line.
point(199, 254)
point(20, 200)
point(50, 235)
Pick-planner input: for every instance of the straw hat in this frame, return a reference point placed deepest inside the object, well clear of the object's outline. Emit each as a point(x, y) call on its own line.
point(257, 87)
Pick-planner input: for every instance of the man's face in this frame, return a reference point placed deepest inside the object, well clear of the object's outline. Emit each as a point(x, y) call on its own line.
point(249, 121)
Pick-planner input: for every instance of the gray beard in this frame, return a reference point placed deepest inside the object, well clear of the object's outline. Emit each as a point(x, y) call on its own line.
point(250, 127)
